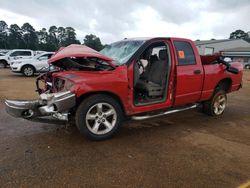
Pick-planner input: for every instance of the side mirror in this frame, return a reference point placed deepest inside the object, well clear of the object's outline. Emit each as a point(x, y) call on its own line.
point(232, 70)
point(229, 68)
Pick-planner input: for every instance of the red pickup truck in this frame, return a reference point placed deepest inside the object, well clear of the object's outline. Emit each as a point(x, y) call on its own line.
point(136, 78)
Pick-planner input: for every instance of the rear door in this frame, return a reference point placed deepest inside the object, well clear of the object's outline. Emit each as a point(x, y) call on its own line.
point(189, 78)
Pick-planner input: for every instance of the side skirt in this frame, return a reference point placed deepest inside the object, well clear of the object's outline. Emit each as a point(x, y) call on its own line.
point(171, 111)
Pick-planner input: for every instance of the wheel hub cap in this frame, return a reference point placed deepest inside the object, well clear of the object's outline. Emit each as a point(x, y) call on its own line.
point(219, 104)
point(28, 71)
point(101, 118)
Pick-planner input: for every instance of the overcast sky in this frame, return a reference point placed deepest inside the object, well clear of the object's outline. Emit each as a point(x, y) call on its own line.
point(113, 20)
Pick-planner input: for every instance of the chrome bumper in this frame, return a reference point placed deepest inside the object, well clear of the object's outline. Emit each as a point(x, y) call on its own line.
point(52, 105)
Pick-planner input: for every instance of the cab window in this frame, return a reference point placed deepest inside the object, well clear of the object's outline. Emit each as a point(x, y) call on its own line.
point(184, 53)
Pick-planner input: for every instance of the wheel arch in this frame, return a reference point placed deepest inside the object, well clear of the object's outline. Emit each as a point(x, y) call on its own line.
point(113, 95)
point(25, 65)
point(4, 60)
point(225, 84)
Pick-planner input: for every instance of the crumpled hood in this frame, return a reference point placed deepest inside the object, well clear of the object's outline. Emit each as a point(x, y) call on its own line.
point(77, 50)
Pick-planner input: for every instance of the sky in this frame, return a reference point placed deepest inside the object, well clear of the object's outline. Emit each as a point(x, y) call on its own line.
point(113, 20)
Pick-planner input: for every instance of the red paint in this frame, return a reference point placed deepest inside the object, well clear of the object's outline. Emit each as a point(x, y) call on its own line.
point(184, 86)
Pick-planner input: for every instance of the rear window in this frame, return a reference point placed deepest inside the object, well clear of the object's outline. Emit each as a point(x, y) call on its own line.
point(45, 57)
point(185, 53)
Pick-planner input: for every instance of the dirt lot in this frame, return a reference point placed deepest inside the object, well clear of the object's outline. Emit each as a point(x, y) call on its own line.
point(186, 149)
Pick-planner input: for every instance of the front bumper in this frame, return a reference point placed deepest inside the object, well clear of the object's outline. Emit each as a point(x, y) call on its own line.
point(15, 68)
point(51, 105)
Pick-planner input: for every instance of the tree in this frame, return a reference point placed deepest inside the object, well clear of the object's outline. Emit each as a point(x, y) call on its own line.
point(29, 36)
point(61, 36)
point(15, 39)
point(248, 37)
point(3, 34)
point(52, 41)
point(93, 41)
point(70, 36)
point(42, 36)
point(238, 34)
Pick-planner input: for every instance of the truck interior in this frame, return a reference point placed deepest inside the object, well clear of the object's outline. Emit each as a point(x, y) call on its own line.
point(151, 73)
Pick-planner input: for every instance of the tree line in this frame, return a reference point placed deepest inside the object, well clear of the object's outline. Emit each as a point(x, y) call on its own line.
point(26, 37)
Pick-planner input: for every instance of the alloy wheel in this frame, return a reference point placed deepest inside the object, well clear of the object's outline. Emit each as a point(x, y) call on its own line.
point(101, 118)
point(219, 104)
point(28, 71)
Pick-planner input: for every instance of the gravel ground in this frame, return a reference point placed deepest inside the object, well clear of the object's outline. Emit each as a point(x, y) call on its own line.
point(186, 149)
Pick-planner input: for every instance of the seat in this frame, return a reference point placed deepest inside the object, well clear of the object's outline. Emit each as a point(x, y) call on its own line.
point(154, 83)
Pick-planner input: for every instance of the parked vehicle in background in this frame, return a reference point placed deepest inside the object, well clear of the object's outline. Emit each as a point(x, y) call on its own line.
point(28, 67)
point(134, 78)
point(247, 65)
point(12, 55)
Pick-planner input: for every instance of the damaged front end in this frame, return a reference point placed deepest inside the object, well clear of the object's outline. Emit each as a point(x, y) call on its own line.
point(49, 106)
point(56, 87)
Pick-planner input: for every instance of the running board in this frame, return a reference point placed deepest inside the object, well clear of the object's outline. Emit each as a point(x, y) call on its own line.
point(164, 113)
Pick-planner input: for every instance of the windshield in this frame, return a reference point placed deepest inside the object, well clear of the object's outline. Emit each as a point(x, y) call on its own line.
point(121, 51)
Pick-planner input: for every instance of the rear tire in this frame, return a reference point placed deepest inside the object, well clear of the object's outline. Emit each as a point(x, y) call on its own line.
point(99, 117)
point(28, 70)
point(217, 104)
point(3, 64)
point(247, 66)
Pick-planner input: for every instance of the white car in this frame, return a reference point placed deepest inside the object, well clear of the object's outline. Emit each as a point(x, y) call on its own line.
point(12, 55)
point(28, 67)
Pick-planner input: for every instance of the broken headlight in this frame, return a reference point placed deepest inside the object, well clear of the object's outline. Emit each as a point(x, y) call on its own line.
point(62, 85)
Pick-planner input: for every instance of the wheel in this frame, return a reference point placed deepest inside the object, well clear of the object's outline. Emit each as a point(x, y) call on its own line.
point(3, 64)
point(28, 70)
point(217, 104)
point(247, 66)
point(98, 117)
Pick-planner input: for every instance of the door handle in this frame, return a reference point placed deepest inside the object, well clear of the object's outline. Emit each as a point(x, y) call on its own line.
point(197, 71)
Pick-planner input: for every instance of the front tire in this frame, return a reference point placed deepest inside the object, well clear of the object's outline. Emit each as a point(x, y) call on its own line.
point(217, 104)
point(28, 70)
point(99, 117)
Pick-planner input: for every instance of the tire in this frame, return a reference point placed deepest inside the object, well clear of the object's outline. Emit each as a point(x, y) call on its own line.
point(3, 64)
point(99, 117)
point(28, 70)
point(217, 104)
point(247, 66)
